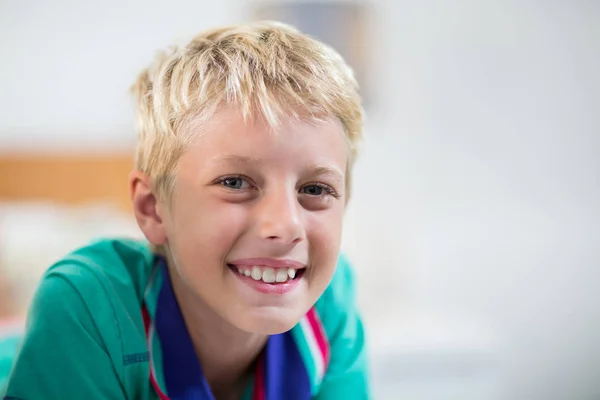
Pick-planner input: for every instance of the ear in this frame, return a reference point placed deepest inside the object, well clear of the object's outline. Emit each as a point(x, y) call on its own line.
point(146, 208)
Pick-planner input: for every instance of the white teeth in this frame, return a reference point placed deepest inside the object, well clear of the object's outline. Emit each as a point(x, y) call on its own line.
point(256, 273)
point(268, 275)
point(281, 276)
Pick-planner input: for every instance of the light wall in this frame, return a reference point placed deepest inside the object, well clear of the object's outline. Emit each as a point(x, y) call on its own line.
point(481, 189)
point(67, 65)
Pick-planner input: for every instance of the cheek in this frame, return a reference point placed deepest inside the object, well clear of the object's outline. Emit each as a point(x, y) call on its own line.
point(204, 231)
point(324, 235)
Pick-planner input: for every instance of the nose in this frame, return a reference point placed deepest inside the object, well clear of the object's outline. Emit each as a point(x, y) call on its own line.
point(279, 218)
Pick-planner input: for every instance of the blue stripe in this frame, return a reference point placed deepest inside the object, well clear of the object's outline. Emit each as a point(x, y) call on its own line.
point(183, 375)
point(286, 375)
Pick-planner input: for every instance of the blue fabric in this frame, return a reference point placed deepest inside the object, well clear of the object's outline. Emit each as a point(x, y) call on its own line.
point(285, 374)
point(182, 371)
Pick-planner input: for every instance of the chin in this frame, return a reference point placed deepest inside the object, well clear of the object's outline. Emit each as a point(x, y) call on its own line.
point(269, 322)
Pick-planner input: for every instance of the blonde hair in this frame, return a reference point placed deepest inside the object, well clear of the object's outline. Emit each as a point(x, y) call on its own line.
point(266, 69)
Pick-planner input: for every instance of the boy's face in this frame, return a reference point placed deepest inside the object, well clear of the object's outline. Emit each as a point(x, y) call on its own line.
point(252, 208)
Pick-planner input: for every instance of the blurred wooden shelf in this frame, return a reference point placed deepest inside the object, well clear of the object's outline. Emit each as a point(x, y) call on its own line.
point(66, 179)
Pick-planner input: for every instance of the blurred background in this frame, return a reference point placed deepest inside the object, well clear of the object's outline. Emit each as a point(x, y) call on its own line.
point(475, 221)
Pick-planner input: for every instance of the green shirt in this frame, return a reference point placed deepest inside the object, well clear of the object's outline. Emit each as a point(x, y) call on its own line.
point(85, 338)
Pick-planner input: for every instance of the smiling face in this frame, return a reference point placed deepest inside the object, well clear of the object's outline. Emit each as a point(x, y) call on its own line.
point(253, 208)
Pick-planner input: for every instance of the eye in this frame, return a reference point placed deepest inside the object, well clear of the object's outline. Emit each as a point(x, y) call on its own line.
point(234, 182)
point(312, 190)
point(318, 189)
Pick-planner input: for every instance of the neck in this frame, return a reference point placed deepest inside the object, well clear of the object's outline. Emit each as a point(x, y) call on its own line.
point(225, 352)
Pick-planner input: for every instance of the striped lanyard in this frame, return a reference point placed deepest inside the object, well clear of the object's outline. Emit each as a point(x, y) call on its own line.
point(290, 367)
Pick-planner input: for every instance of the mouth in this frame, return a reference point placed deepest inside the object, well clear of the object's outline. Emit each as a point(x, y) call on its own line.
point(268, 275)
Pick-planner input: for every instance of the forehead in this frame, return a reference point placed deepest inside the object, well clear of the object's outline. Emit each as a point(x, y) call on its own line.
point(227, 138)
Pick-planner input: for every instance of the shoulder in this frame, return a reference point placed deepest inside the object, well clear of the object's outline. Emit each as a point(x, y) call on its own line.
point(101, 283)
point(85, 316)
point(116, 265)
point(106, 279)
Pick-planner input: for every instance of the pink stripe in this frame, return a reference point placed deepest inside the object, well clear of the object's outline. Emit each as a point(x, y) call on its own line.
point(147, 324)
point(319, 334)
point(161, 395)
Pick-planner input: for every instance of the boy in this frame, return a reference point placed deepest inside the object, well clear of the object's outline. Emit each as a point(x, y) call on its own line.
point(247, 140)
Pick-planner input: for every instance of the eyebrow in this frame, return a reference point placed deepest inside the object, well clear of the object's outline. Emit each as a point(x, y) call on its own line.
point(329, 170)
point(236, 159)
point(324, 169)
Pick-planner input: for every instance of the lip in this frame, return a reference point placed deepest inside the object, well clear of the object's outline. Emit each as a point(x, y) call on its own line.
point(268, 262)
point(269, 288)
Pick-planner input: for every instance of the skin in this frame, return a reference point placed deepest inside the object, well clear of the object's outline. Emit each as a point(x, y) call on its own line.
point(245, 191)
